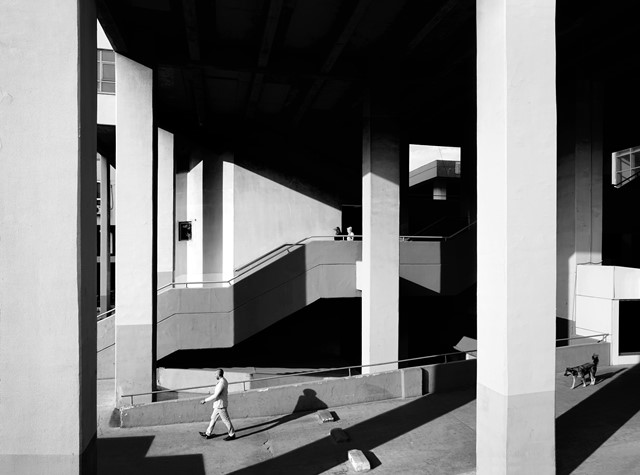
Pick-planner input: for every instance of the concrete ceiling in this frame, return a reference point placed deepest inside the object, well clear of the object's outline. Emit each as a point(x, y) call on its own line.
point(290, 64)
point(300, 68)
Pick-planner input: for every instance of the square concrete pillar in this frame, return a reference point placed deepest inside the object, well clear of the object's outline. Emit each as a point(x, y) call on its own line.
point(166, 210)
point(48, 237)
point(381, 158)
point(105, 221)
point(516, 236)
point(135, 245)
point(228, 217)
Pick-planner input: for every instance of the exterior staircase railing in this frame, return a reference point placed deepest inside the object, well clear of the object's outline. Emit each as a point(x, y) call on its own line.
point(286, 248)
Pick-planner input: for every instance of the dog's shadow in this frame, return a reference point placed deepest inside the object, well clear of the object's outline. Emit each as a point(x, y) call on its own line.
point(603, 377)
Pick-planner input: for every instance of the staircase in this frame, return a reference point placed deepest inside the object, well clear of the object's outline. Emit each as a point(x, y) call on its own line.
point(220, 315)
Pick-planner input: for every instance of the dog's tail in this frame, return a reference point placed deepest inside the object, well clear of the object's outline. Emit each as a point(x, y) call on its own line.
point(595, 359)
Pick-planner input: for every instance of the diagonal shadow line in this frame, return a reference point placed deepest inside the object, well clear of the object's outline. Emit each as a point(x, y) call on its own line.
point(271, 424)
point(128, 455)
point(588, 425)
point(322, 455)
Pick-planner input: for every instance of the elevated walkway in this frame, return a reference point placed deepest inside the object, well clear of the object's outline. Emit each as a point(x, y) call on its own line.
point(222, 314)
point(431, 374)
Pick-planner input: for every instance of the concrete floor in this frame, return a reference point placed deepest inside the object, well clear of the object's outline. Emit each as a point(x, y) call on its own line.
point(597, 432)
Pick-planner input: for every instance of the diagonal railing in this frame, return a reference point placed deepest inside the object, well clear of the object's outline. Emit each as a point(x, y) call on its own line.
point(446, 356)
point(284, 249)
point(350, 370)
point(626, 180)
point(107, 314)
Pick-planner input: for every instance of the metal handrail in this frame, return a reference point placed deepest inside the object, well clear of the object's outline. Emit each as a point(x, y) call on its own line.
point(103, 315)
point(274, 253)
point(603, 335)
point(302, 373)
point(628, 179)
point(431, 225)
point(461, 230)
point(349, 368)
point(263, 256)
point(288, 248)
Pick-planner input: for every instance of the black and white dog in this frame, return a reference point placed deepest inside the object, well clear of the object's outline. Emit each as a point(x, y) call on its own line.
point(584, 370)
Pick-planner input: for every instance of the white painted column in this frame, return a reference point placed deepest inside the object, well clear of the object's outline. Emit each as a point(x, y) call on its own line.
point(105, 249)
point(166, 212)
point(47, 237)
point(194, 214)
point(516, 236)
point(380, 242)
point(228, 217)
point(135, 267)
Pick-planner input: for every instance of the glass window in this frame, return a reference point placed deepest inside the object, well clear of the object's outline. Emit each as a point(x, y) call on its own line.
point(106, 72)
point(108, 55)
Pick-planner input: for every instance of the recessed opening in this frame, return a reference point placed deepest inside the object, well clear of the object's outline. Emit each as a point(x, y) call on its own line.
point(629, 327)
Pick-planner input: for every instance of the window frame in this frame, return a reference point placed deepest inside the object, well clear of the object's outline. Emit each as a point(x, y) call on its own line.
point(100, 78)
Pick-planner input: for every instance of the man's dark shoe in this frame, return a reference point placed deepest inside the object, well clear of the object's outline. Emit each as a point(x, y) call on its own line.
point(230, 437)
point(204, 434)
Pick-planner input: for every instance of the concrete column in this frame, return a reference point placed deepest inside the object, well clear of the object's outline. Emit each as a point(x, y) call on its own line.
point(587, 243)
point(181, 215)
point(380, 229)
point(48, 244)
point(228, 217)
point(516, 236)
point(212, 215)
point(195, 215)
point(105, 220)
point(135, 269)
point(166, 212)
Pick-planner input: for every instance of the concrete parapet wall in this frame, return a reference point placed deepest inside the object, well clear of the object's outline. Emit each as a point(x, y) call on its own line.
point(106, 348)
point(282, 400)
point(335, 392)
point(171, 378)
point(578, 354)
point(448, 377)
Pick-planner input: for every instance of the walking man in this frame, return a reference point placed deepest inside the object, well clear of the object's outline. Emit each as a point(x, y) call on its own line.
point(220, 402)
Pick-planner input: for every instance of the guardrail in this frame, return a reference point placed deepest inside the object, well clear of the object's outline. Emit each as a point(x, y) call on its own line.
point(303, 373)
point(626, 180)
point(350, 369)
point(603, 335)
point(286, 248)
point(102, 316)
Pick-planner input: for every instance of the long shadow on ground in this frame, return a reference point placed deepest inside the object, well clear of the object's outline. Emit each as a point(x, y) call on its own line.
point(127, 455)
point(588, 425)
point(324, 454)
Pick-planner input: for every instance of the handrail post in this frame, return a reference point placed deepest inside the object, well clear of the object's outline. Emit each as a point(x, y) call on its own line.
point(349, 371)
point(132, 400)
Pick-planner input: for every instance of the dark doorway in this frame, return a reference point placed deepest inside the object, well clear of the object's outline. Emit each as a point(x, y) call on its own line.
point(629, 328)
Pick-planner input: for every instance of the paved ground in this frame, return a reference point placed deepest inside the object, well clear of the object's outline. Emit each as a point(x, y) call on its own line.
point(597, 432)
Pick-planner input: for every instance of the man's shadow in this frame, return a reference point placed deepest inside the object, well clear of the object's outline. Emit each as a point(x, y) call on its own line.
point(307, 403)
